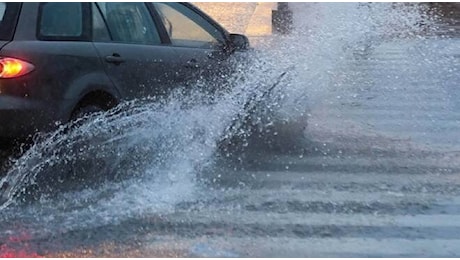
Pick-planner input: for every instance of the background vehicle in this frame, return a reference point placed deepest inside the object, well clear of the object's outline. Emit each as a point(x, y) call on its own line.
point(61, 60)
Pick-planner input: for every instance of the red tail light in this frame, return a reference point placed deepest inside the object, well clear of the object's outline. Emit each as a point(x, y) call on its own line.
point(12, 68)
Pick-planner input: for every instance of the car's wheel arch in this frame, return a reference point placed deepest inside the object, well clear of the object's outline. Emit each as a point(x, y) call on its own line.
point(95, 99)
point(92, 89)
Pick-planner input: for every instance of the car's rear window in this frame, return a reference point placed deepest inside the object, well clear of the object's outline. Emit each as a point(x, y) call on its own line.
point(8, 17)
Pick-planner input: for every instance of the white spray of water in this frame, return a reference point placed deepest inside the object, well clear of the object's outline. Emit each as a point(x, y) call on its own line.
point(162, 146)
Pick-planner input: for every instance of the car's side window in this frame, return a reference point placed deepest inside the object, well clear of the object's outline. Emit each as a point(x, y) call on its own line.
point(100, 31)
point(2, 10)
point(61, 19)
point(8, 17)
point(129, 22)
point(186, 28)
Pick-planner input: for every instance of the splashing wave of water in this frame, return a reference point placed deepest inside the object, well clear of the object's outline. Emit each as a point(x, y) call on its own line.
point(144, 156)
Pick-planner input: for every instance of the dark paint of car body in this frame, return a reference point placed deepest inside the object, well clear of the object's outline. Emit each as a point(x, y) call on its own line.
point(74, 57)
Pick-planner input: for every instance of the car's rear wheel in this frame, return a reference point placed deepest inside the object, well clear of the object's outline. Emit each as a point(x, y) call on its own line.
point(84, 164)
point(93, 102)
point(87, 110)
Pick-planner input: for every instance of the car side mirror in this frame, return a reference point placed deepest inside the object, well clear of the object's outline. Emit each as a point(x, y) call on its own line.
point(239, 42)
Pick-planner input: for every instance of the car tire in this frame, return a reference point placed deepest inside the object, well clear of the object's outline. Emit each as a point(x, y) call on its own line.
point(84, 111)
point(78, 169)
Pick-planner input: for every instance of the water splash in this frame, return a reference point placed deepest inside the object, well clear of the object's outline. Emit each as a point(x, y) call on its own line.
point(172, 137)
point(144, 156)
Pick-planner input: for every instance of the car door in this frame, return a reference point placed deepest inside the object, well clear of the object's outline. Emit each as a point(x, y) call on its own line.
point(199, 45)
point(131, 48)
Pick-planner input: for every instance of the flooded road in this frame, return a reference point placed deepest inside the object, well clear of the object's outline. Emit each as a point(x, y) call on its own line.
point(376, 173)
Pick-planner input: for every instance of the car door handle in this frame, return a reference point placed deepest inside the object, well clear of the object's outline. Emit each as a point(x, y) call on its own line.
point(114, 58)
point(192, 64)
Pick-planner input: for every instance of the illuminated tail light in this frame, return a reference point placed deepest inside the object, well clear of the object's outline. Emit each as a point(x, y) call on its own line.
point(12, 68)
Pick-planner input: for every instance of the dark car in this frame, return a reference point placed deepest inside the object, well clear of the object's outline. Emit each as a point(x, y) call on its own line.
point(59, 60)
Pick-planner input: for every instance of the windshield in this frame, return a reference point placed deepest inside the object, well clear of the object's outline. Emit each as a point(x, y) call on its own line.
point(8, 17)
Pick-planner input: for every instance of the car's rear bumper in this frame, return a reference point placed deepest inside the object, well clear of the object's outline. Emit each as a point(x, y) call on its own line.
point(21, 117)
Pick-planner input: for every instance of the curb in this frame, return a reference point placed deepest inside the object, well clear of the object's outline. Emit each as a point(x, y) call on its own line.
point(260, 23)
